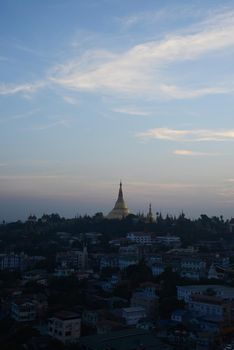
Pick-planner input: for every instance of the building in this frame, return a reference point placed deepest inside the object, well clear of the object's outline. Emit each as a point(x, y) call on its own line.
point(76, 259)
point(133, 314)
point(157, 269)
point(23, 310)
point(169, 241)
point(120, 209)
point(13, 261)
point(91, 317)
point(147, 301)
point(211, 307)
point(140, 237)
point(63, 272)
point(150, 288)
point(179, 315)
point(186, 292)
point(127, 260)
point(193, 268)
point(109, 261)
point(65, 327)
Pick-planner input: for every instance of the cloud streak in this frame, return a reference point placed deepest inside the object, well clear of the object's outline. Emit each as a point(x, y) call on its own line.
point(131, 111)
point(137, 70)
point(189, 153)
point(27, 88)
point(63, 122)
point(71, 100)
point(194, 135)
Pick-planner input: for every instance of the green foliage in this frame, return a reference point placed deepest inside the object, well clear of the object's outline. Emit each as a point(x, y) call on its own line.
point(168, 304)
point(64, 283)
point(137, 274)
point(169, 280)
point(123, 291)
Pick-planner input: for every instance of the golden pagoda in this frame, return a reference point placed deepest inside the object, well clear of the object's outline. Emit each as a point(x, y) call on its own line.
point(120, 209)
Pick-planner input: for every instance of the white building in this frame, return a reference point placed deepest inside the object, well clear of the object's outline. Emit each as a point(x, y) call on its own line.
point(77, 259)
point(210, 307)
point(193, 268)
point(186, 292)
point(157, 269)
point(192, 263)
point(171, 241)
point(216, 272)
point(13, 261)
point(63, 272)
point(23, 310)
point(65, 327)
point(140, 237)
point(133, 314)
point(149, 288)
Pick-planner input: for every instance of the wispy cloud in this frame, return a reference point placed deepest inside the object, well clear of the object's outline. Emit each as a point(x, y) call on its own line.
point(177, 92)
point(166, 14)
point(185, 152)
point(71, 100)
point(24, 115)
point(148, 17)
point(138, 69)
point(187, 135)
point(131, 111)
point(27, 88)
point(63, 122)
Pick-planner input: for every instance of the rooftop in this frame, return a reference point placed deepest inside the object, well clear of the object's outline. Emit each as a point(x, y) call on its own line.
point(66, 315)
point(134, 309)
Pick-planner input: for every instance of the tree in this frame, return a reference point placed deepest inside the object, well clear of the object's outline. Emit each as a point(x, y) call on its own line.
point(137, 274)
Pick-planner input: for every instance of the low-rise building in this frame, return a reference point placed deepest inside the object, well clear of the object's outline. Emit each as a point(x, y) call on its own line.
point(91, 317)
point(179, 315)
point(170, 241)
point(65, 327)
point(140, 237)
point(63, 271)
point(13, 261)
point(150, 288)
point(23, 310)
point(185, 292)
point(77, 259)
point(157, 269)
point(132, 315)
point(127, 260)
point(109, 261)
point(211, 307)
point(147, 301)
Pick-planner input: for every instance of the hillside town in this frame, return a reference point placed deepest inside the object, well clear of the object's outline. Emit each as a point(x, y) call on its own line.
point(135, 282)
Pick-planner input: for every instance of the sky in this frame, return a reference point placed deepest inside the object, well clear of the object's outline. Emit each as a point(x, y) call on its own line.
point(95, 91)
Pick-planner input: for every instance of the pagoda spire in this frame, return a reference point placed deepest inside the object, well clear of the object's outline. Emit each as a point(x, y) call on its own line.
point(120, 209)
point(150, 215)
point(120, 196)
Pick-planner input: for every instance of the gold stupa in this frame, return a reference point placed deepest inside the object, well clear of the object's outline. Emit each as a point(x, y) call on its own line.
point(120, 209)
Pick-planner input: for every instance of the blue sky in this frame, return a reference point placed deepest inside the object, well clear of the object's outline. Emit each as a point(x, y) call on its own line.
point(96, 91)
